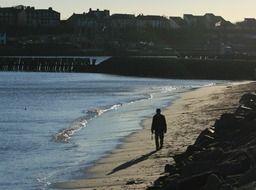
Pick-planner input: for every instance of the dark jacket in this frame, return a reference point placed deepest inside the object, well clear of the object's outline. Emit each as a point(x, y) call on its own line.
point(158, 124)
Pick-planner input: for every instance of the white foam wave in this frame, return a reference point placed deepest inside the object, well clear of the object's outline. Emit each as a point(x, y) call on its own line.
point(210, 84)
point(43, 181)
point(65, 134)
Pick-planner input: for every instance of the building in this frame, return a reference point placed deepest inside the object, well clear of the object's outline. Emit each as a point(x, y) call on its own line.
point(192, 20)
point(8, 16)
point(3, 38)
point(32, 17)
point(208, 20)
point(122, 21)
point(177, 22)
point(152, 22)
point(47, 17)
point(212, 21)
point(98, 14)
point(93, 20)
point(28, 16)
point(248, 23)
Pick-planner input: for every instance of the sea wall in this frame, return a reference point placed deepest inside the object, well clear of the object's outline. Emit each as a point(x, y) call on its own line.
point(143, 66)
point(174, 67)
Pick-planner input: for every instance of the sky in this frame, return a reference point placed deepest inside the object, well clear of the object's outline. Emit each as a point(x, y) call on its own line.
point(232, 10)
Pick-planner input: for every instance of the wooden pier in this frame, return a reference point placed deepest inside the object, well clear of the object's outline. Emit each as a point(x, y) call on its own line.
point(50, 63)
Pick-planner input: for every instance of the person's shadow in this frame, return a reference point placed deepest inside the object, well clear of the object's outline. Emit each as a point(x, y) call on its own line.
point(131, 162)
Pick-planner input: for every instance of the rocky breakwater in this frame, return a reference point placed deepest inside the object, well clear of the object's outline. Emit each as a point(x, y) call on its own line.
point(223, 156)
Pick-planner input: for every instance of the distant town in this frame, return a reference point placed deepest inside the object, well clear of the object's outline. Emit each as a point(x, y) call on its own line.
point(27, 30)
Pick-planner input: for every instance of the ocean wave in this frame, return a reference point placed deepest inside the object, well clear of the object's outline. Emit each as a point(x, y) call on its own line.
point(65, 134)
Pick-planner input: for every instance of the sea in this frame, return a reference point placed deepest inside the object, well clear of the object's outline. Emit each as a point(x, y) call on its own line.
point(55, 125)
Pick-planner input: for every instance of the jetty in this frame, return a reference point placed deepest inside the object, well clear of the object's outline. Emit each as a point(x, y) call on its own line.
point(50, 63)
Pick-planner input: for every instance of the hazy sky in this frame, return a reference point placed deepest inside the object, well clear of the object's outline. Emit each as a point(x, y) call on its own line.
point(232, 10)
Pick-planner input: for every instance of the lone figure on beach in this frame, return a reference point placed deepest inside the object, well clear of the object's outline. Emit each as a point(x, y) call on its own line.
point(159, 128)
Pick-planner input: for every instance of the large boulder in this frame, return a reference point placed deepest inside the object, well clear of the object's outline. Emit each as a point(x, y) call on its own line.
point(213, 183)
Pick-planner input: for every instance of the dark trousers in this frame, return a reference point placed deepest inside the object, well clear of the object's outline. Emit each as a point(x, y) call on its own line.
point(159, 138)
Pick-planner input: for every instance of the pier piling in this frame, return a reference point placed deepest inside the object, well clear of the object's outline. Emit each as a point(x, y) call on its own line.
point(50, 63)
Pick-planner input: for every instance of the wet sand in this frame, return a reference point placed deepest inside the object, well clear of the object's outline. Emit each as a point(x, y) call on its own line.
point(136, 164)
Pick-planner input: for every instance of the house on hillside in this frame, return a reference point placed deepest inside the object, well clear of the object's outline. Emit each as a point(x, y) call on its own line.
point(208, 20)
point(177, 22)
point(248, 23)
point(212, 21)
point(9, 16)
point(29, 16)
point(32, 17)
point(94, 20)
point(152, 22)
point(122, 21)
point(192, 20)
point(47, 17)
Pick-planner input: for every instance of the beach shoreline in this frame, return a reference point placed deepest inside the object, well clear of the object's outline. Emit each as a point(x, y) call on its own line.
point(135, 164)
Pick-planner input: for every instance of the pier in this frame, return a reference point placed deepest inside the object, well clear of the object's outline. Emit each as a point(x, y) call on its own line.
point(51, 63)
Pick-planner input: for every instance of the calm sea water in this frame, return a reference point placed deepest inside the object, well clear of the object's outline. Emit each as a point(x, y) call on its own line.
point(53, 125)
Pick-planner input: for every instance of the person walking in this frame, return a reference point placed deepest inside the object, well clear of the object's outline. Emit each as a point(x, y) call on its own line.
point(159, 127)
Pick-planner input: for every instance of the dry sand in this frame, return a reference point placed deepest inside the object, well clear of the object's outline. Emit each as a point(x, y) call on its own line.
point(135, 165)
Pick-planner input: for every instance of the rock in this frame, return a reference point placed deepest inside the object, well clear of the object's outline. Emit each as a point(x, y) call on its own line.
point(181, 158)
point(171, 169)
point(213, 183)
point(250, 186)
point(205, 138)
point(134, 181)
point(191, 149)
point(195, 168)
point(225, 124)
point(209, 154)
point(194, 182)
point(237, 164)
point(248, 177)
point(226, 187)
point(248, 100)
point(164, 181)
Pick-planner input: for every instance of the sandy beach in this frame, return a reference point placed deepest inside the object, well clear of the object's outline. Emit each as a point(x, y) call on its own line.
point(136, 164)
